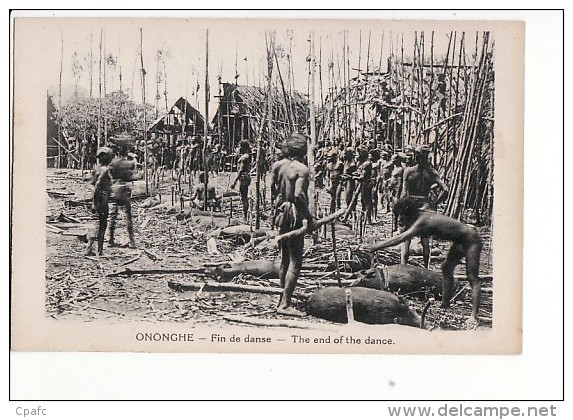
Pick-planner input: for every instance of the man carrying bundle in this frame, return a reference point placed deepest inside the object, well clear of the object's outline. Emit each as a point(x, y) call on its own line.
point(292, 208)
point(123, 173)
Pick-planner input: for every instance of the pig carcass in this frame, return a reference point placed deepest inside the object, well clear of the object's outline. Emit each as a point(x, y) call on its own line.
point(401, 278)
point(370, 306)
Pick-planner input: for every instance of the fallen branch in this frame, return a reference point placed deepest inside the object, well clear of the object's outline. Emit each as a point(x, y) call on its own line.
point(133, 259)
point(226, 287)
point(129, 272)
point(53, 229)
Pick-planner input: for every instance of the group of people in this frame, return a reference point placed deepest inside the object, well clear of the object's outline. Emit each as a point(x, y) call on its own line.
point(408, 182)
point(414, 199)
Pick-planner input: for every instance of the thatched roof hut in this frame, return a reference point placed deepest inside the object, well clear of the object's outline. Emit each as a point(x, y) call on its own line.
point(243, 114)
point(181, 118)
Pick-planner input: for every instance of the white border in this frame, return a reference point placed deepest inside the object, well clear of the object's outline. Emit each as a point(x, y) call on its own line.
point(536, 374)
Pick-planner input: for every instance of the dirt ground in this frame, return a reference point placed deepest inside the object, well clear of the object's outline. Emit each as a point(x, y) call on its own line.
point(77, 286)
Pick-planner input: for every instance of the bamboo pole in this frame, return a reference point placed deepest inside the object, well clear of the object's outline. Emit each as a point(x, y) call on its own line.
point(449, 130)
point(91, 66)
point(285, 96)
point(347, 98)
point(469, 133)
point(59, 164)
point(312, 141)
point(104, 89)
point(205, 122)
point(364, 92)
point(144, 112)
point(99, 137)
point(403, 89)
point(431, 119)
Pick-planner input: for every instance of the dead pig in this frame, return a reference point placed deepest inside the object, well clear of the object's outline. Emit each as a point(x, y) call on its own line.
point(402, 278)
point(264, 269)
point(370, 306)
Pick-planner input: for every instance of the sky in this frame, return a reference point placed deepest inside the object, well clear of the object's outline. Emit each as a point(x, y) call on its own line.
point(235, 46)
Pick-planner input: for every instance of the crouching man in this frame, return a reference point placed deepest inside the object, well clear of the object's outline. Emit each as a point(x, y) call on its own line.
point(466, 242)
point(292, 207)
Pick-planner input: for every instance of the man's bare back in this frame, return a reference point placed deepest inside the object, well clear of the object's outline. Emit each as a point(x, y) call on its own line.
point(293, 180)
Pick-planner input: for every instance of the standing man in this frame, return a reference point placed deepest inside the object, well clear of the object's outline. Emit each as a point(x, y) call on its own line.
point(349, 174)
point(365, 179)
point(123, 172)
point(102, 180)
point(244, 175)
point(334, 168)
point(292, 208)
point(417, 183)
point(374, 157)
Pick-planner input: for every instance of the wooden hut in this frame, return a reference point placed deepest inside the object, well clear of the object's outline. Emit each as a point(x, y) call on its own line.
point(243, 114)
point(181, 120)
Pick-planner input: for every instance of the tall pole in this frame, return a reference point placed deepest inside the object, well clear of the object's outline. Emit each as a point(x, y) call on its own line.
point(144, 113)
point(91, 66)
point(100, 143)
point(60, 107)
point(312, 142)
point(206, 123)
point(104, 90)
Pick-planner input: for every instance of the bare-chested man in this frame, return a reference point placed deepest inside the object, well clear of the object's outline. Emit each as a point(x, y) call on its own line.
point(292, 209)
point(197, 200)
point(349, 177)
point(244, 175)
point(275, 183)
point(396, 177)
point(466, 242)
point(374, 157)
point(417, 183)
point(335, 169)
point(102, 180)
point(365, 178)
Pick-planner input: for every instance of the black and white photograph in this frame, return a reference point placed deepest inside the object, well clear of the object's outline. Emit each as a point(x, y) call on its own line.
point(268, 186)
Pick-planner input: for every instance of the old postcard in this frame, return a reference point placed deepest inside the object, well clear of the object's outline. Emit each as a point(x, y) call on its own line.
point(267, 186)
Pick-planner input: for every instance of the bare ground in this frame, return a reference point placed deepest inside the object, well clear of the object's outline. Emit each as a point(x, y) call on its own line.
point(77, 286)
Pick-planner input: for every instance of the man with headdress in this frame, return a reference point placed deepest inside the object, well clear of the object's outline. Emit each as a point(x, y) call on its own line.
point(244, 175)
point(418, 182)
point(292, 208)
